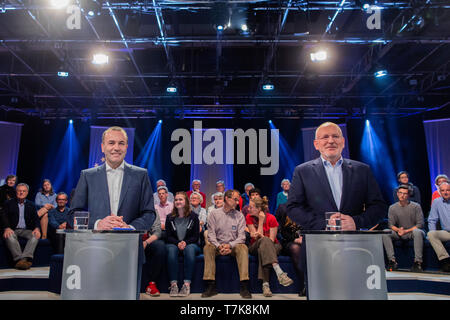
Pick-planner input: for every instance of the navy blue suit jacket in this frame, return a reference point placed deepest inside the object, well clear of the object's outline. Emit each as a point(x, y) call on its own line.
point(135, 202)
point(9, 215)
point(310, 195)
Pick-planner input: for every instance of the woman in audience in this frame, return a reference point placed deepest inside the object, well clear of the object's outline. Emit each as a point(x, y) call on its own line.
point(182, 230)
point(45, 201)
point(437, 182)
point(282, 195)
point(263, 229)
point(291, 242)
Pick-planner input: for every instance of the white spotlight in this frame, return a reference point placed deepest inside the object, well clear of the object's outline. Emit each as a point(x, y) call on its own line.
point(100, 58)
point(320, 55)
point(59, 3)
point(244, 27)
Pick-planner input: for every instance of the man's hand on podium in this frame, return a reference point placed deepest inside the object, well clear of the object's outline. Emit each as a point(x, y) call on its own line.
point(110, 222)
point(347, 223)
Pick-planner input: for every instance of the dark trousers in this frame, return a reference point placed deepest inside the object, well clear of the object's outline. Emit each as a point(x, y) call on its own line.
point(155, 253)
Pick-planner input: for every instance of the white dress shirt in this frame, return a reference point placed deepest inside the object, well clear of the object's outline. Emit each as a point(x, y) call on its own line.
point(115, 178)
point(335, 179)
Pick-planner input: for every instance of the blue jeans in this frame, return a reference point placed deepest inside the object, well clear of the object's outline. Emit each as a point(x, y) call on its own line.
point(189, 253)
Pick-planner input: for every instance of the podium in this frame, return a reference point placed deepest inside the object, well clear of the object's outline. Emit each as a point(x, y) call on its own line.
point(101, 265)
point(345, 265)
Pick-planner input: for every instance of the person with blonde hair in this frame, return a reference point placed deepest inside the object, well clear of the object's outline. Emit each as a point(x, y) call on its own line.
point(263, 229)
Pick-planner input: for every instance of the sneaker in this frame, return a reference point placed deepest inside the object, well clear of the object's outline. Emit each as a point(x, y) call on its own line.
point(210, 290)
point(392, 265)
point(244, 290)
point(284, 280)
point(417, 267)
point(266, 290)
point(185, 291)
point(152, 290)
point(173, 290)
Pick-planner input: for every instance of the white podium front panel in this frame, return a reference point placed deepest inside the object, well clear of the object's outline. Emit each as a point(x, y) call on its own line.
point(345, 266)
point(100, 266)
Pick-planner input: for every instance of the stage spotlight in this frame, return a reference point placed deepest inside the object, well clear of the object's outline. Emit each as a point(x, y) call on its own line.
point(160, 121)
point(220, 27)
point(320, 55)
point(63, 74)
point(365, 4)
point(70, 121)
point(270, 121)
point(171, 88)
point(59, 3)
point(100, 59)
point(380, 73)
point(221, 13)
point(367, 122)
point(244, 28)
point(268, 85)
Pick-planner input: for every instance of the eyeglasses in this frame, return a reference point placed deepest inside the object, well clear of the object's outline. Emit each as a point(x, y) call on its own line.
point(334, 137)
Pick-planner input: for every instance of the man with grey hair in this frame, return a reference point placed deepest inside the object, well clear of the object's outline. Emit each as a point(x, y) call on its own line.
point(19, 219)
point(196, 184)
point(162, 183)
point(437, 182)
point(282, 196)
point(440, 212)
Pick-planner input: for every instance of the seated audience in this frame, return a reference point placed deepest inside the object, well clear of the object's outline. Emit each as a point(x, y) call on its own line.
point(414, 193)
point(163, 208)
point(162, 183)
point(264, 244)
point(291, 241)
point(195, 199)
point(19, 219)
point(45, 201)
point(196, 184)
point(58, 219)
point(182, 229)
point(437, 182)
point(253, 193)
point(440, 212)
point(405, 223)
point(155, 254)
point(226, 236)
point(220, 187)
point(7, 191)
point(245, 196)
point(282, 196)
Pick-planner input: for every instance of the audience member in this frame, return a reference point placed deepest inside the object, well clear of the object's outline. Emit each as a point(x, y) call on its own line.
point(414, 192)
point(440, 212)
point(405, 223)
point(253, 193)
point(155, 254)
point(245, 196)
point(195, 199)
point(163, 208)
point(264, 244)
point(226, 236)
point(437, 182)
point(45, 201)
point(217, 202)
point(7, 191)
point(220, 187)
point(58, 219)
point(19, 219)
point(182, 227)
point(196, 184)
point(162, 183)
point(282, 195)
point(291, 241)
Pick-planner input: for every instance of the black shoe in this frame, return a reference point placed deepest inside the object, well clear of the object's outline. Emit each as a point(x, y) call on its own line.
point(445, 264)
point(244, 292)
point(417, 267)
point(210, 290)
point(302, 293)
point(392, 265)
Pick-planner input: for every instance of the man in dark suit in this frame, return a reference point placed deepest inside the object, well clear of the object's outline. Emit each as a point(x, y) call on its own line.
point(334, 184)
point(331, 183)
point(117, 194)
point(19, 219)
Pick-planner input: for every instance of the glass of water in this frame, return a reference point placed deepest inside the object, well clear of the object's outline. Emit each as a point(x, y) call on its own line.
point(80, 220)
point(333, 221)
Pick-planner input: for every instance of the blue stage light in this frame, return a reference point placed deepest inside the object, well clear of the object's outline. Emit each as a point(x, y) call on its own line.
point(63, 74)
point(367, 122)
point(160, 121)
point(71, 121)
point(171, 89)
point(270, 121)
point(220, 27)
point(380, 73)
point(268, 86)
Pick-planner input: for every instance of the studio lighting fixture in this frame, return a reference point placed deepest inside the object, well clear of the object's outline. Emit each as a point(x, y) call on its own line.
point(268, 85)
point(100, 59)
point(320, 55)
point(380, 73)
point(71, 121)
point(63, 74)
point(171, 88)
point(160, 121)
point(59, 3)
